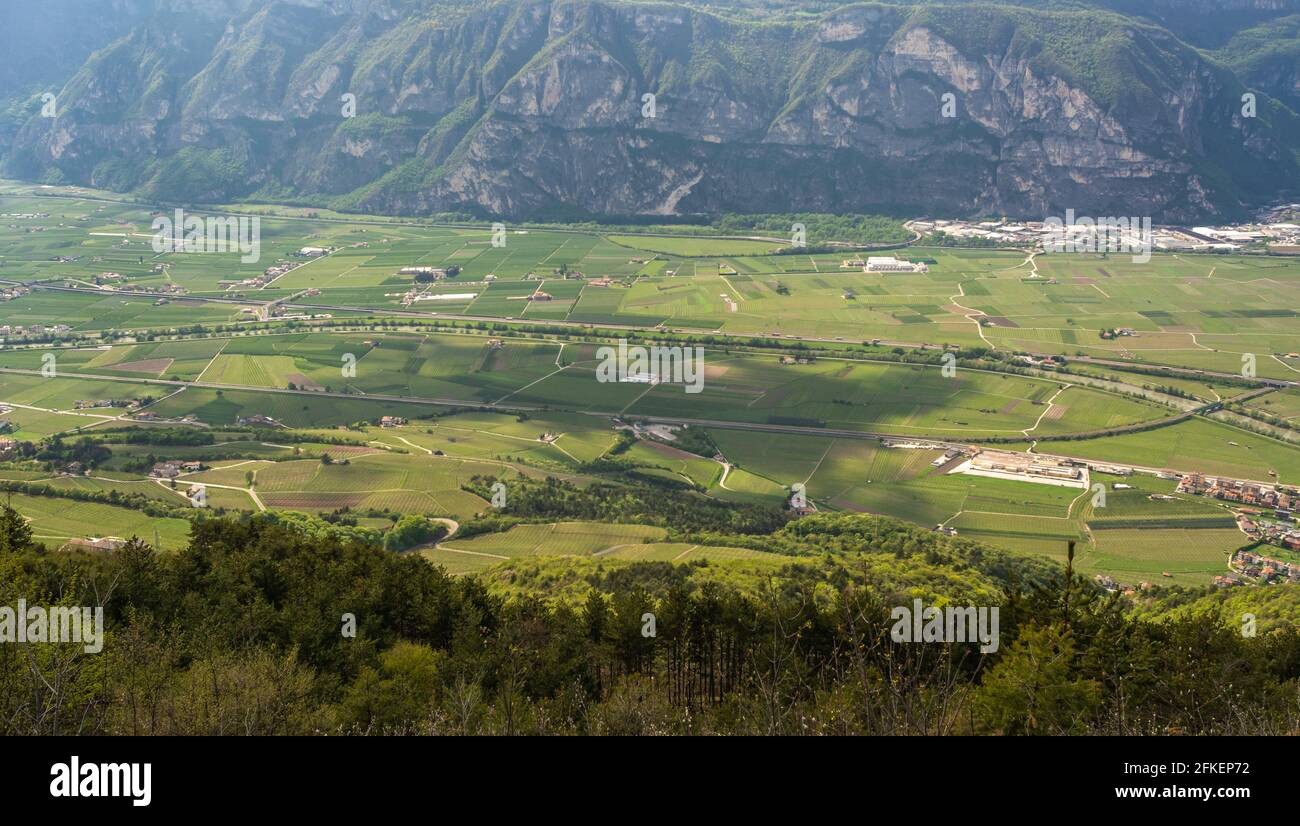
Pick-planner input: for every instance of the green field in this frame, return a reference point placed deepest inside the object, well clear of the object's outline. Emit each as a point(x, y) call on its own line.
point(374, 480)
point(1201, 445)
point(58, 520)
point(330, 378)
point(1202, 311)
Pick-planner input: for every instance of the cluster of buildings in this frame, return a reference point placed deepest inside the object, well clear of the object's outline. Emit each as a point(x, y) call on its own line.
point(1024, 467)
point(15, 331)
point(278, 310)
point(97, 543)
point(1278, 237)
point(91, 404)
point(257, 420)
point(174, 468)
point(127, 287)
point(1281, 499)
point(660, 432)
point(884, 263)
point(1272, 230)
point(1002, 232)
point(1046, 362)
point(167, 289)
point(1265, 515)
point(1111, 584)
point(268, 275)
point(1259, 566)
point(10, 293)
point(150, 416)
point(1281, 534)
point(391, 421)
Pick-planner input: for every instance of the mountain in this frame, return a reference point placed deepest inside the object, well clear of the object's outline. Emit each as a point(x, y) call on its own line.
point(536, 108)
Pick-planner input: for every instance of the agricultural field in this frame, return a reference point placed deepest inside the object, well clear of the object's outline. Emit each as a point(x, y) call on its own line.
point(559, 539)
point(1018, 516)
point(1196, 445)
point(482, 397)
point(1199, 311)
point(359, 481)
point(562, 538)
point(456, 368)
point(60, 520)
point(606, 542)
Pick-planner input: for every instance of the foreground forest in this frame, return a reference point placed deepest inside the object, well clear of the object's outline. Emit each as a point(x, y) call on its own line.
point(243, 632)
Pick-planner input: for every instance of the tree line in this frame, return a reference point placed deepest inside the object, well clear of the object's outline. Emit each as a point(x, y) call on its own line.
point(246, 631)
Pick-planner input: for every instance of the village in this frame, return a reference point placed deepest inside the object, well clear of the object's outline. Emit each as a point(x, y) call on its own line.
point(1271, 232)
point(13, 332)
point(271, 273)
point(1266, 514)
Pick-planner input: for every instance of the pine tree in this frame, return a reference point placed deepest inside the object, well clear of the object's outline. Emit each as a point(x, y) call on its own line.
point(15, 533)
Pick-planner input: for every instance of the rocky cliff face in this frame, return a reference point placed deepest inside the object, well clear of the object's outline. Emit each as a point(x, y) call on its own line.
point(538, 107)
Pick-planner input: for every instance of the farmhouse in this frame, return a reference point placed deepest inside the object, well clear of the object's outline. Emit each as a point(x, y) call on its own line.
point(889, 264)
point(257, 420)
point(90, 404)
point(391, 421)
point(165, 470)
point(99, 543)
